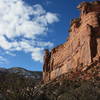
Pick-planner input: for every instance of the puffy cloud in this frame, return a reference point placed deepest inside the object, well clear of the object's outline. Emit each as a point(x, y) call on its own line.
point(4, 43)
point(20, 24)
point(37, 54)
point(51, 18)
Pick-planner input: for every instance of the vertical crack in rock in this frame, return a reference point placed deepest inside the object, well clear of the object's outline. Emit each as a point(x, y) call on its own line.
point(93, 42)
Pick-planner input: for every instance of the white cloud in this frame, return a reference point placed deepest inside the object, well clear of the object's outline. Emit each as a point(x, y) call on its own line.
point(51, 18)
point(10, 53)
point(3, 60)
point(37, 54)
point(19, 21)
point(4, 43)
point(44, 44)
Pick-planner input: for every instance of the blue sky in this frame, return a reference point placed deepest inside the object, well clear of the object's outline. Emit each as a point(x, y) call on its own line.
point(27, 27)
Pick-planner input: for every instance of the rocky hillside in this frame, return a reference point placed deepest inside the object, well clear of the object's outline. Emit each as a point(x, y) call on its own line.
point(83, 84)
point(23, 72)
point(14, 83)
point(80, 84)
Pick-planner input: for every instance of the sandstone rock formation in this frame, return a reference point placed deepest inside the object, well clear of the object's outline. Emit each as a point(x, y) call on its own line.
point(81, 49)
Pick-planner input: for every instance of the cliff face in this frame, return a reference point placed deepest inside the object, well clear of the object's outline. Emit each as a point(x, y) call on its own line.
point(83, 45)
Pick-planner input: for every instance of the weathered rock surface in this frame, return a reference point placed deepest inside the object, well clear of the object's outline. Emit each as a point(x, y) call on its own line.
point(83, 84)
point(83, 45)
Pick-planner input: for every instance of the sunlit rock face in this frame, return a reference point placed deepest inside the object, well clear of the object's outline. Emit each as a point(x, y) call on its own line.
point(83, 45)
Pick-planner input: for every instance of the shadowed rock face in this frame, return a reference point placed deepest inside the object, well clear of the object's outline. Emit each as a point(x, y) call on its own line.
point(83, 45)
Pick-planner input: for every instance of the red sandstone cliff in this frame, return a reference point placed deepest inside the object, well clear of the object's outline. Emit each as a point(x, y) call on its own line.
point(82, 48)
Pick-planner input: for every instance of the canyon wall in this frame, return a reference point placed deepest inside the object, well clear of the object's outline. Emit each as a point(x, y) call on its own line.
point(82, 47)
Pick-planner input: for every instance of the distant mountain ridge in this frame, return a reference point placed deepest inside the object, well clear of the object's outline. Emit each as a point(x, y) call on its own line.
point(16, 83)
point(23, 72)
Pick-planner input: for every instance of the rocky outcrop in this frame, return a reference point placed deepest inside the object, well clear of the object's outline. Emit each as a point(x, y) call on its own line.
point(83, 45)
point(83, 84)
